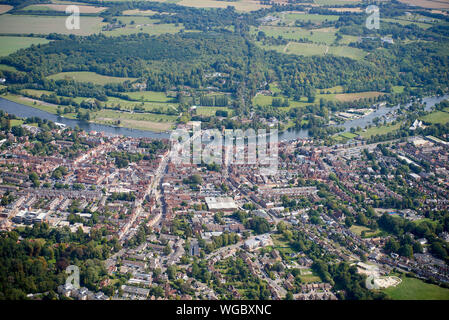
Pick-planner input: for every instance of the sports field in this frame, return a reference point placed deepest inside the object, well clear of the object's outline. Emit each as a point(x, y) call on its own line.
point(85, 76)
point(9, 45)
point(23, 24)
point(415, 289)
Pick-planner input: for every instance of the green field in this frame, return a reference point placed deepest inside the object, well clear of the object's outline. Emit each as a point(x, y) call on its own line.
point(23, 24)
point(85, 76)
point(323, 35)
point(210, 111)
point(314, 18)
point(312, 49)
point(415, 289)
point(150, 96)
point(440, 117)
point(379, 130)
point(12, 44)
point(7, 68)
point(16, 122)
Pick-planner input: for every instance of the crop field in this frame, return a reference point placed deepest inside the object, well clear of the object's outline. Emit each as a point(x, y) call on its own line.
point(336, 2)
point(85, 76)
point(241, 5)
point(430, 4)
point(5, 8)
point(9, 45)
point(62, 7)
point(345, 97)
point(23, 24)
point(416, 289)
point(440, 117)
point(137, 12)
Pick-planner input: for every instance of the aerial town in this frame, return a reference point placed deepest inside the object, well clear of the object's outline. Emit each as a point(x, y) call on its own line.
point(140, 226)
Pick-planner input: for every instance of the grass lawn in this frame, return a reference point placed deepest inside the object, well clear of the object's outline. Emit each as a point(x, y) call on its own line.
point(359, 229)
point(379, 130)
point(348, 135)
point(85, 76)
point(47, 24)
point(12, 44)
point(440, 117)
point(16, 122)
point(416, 289)
point(147, 106)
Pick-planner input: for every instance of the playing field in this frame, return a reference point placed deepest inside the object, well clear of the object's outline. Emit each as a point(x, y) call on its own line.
point(150, 96)
point(23, 24)
point(415, 289)
point(9, 45)
point(84, 76)
point(62, 8)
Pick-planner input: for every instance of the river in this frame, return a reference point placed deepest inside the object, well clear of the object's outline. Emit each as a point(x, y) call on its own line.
point(24, 111)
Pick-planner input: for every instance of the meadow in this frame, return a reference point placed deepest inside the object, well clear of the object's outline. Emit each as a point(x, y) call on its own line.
point(85, 76)
point(12, 44)
point(24, 24)
point(210, 111)
point(379, 130)
point(440, 117)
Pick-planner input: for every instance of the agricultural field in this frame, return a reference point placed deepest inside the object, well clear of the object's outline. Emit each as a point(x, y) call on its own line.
point(5, 8)
point(430, 4)
point(126, 105)
point(85, 76)
point(62, 8)
point(23, 24)
point(137, 12)
point(241, 5)
point(12, 44)
point(416, 289)
point(336, 2)
point(440, 117)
